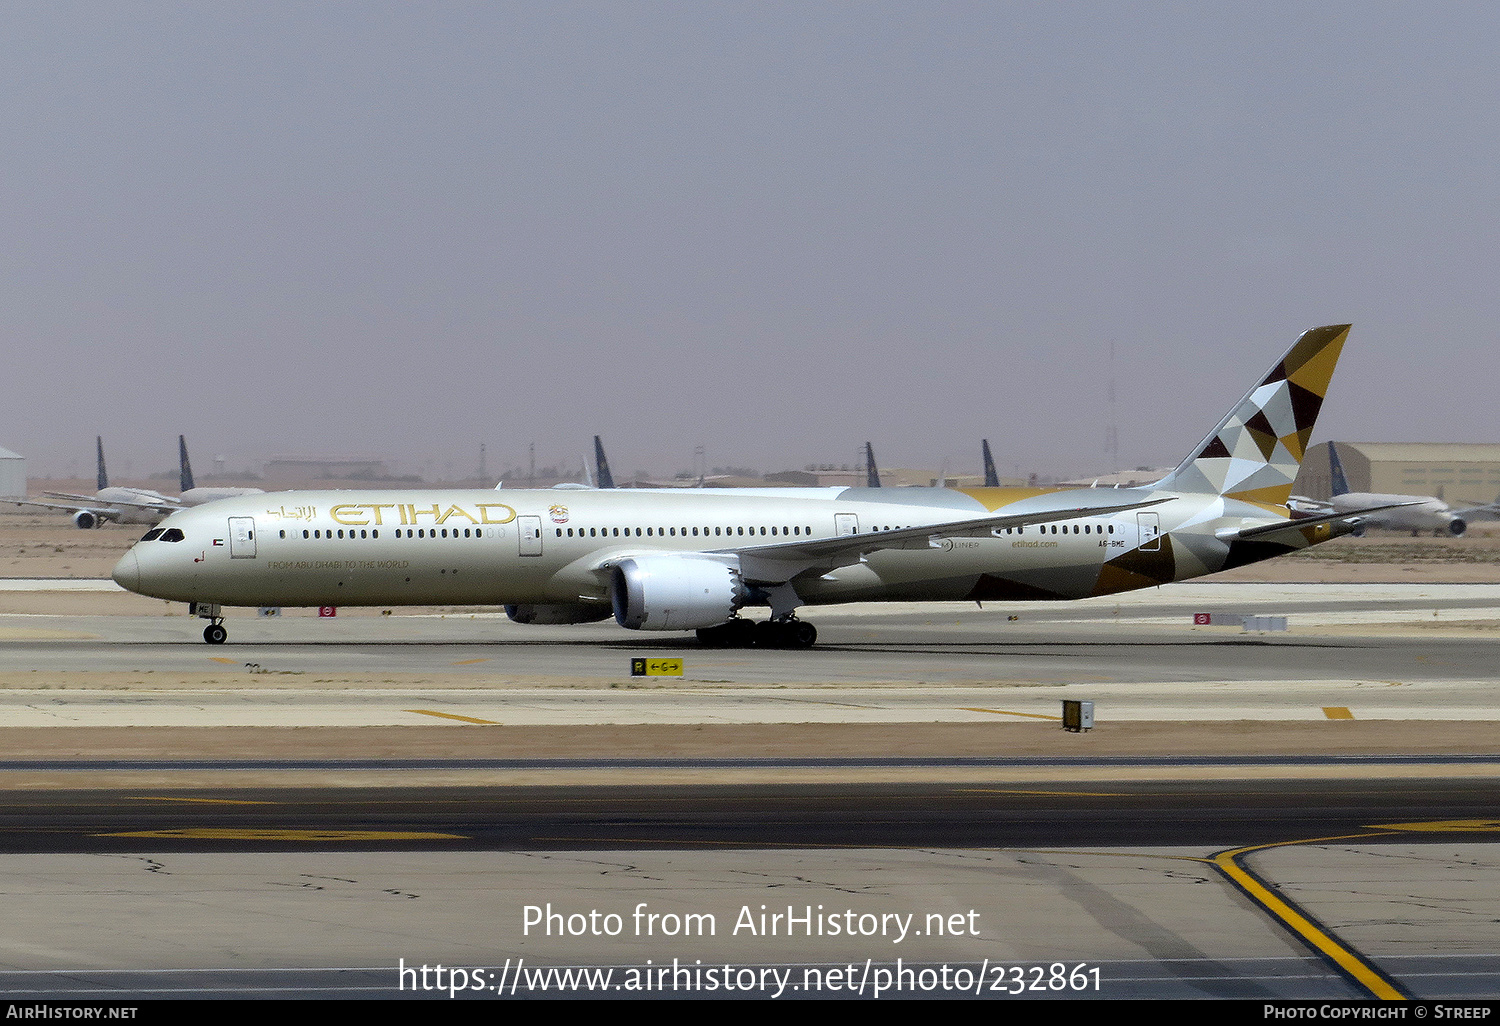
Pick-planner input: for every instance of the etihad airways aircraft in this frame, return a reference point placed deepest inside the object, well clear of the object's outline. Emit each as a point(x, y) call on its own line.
point(698, 559)
point(1414, 513)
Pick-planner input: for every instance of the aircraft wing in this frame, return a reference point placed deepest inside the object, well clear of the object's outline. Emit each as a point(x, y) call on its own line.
point(780, 562)
point(1298, 523)
point(91, 503)
point(102, 512)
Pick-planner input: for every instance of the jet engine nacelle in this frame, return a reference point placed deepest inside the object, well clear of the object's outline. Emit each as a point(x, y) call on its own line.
point(1457, 526)
point(562, 613)
point(674, 593)
point(85, 520)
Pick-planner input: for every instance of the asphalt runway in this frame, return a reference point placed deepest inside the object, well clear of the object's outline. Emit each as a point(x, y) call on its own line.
point(1274, 889)
point(1215, 813)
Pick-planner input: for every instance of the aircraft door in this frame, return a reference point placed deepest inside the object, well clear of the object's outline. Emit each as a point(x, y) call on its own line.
point(845, 523)
point(241, 537)
point(1150, 528)
point(530, 534)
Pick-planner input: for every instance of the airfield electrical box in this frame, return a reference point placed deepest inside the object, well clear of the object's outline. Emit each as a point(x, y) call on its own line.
point(1077, 716)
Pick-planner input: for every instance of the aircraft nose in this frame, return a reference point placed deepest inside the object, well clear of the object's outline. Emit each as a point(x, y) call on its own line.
point(127, 572)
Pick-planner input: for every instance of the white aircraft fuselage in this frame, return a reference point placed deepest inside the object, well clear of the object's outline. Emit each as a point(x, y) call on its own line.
point(557, 549)
point(1415, 512)
point(691, 559)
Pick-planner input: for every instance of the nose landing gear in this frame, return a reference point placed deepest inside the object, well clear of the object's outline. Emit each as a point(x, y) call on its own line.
point(214, 633)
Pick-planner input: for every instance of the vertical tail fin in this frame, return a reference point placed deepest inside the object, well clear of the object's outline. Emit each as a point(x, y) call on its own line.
point(601, 466)
point(185, 478)
point(872, 473)
point(991, 478)
point(1256, 450)
point(1336, 469)
point(103, 477)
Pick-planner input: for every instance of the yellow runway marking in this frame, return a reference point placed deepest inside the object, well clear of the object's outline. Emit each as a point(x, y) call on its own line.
point(1362, 973)
point(471, 662)
point(1008, 712)
point(1440, 825)
point(1337, 712)
point(270, 834)
point(222, 659)
point(454, 716)
point(199, 801)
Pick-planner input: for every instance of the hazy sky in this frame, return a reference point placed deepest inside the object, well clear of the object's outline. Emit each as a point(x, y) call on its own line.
point(772, 230)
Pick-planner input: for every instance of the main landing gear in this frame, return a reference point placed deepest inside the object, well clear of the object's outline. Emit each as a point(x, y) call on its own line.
point(787, 632)
point(215, 634)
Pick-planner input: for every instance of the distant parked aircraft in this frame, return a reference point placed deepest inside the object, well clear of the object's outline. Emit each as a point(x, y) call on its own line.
point(111, 504)
point(120, 505)
point(1414, 513)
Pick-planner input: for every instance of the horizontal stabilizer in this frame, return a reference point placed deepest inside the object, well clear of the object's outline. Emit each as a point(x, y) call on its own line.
point(1247, 533)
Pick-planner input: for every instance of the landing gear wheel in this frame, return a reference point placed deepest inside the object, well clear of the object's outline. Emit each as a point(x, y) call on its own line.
point(714, 637)
point(736, 633)
point(215, 634)
point(790, 633)
point(769, 634)
point(741, 633)
point(801, 634)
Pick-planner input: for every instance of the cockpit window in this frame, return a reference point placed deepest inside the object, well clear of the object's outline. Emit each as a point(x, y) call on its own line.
point(152, 534)
point(171, 534)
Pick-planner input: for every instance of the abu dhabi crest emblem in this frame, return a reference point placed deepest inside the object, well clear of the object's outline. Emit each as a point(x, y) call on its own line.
point(559, 514)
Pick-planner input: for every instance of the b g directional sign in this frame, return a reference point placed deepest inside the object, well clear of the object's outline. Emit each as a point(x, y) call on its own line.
point(656, 667)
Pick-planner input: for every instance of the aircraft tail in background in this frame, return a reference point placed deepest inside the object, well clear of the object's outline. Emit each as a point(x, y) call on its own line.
point(991, 478)
point(602, 477)
point(1336, 470)
point(872, 473)
point(185, 476)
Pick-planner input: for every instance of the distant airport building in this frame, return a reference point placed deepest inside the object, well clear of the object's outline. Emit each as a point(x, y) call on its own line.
point(1124, 479)
point(1456, 472)
point(287, 468)
point(890, 477)
point(12, 475)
